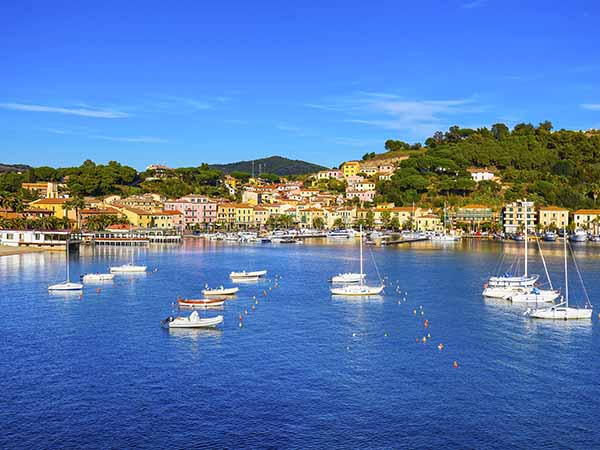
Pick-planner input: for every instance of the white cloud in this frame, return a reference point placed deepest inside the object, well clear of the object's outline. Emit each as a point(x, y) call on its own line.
point(591, 106)
point(412, 118)
point(83, 112)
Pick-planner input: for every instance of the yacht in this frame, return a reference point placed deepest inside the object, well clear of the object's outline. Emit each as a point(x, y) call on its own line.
point(67, 285)
point(579, 235)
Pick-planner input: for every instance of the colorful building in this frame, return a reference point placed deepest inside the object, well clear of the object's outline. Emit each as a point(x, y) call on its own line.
point(588, 219)
point(553, 216)
point(196, 209)
point(350, 168)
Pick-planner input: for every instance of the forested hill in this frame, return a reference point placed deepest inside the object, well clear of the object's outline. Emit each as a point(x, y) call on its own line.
point(4, 168)
point(549, 167)
point(274, 164)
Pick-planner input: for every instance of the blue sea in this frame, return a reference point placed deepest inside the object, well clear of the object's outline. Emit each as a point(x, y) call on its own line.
point(306, 370)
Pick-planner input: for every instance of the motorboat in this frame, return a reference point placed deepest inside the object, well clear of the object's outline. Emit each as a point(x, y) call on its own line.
point(192, 321)
point(445, 236)
point(549, 236)
point(563, 311)
point(247, 275)
point(200, 303)
point(67, 285)
point(341, 234)
point(579, 235)
point(97, 277)
point(346, 278)
point(220, 291)
point(360, 289)
point(128, 268)
point(535, 295)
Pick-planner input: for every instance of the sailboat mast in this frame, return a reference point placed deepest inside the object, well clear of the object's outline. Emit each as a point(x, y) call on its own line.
point(526, 235)
point(361, 256)
point(68, 274)
point(566, 274)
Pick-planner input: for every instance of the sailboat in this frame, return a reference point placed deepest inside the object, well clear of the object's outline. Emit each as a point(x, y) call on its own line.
point(67, 285)
point(360, 289)
point(507, 284)
point(129, 267)
point(445, 237)
point(563, 311)
point(535, 294)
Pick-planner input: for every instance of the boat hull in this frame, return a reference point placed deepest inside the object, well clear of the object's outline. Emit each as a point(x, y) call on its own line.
point(218, 292)
point(67, 286)
point(542, 296)
point(128, 269)
point(561, 313)
point(201, 304)
point(357, 290)
point(184, 322)
point(97, 277)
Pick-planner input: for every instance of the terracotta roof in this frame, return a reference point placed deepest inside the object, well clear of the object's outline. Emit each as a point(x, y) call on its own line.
point(50, 201)
point(588, 211)
point(474, 206)
point(167, 212)
point(552, 208)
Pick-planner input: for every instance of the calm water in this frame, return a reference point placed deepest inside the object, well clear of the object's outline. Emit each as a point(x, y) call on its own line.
point(306, 370)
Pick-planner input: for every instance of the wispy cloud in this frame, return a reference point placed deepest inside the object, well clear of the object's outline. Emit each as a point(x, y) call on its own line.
point(92, 135)
point(591, 106)
point(474, 4)
point(294, 129)
point(83, 112)
point(415, 118)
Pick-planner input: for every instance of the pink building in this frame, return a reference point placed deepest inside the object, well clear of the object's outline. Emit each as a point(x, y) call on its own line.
point(363, 196)
point(196, 209)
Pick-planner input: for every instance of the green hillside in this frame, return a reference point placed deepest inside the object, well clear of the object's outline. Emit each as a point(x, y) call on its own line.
point(274, 164)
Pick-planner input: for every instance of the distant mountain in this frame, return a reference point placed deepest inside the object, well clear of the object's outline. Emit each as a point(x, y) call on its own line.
point(274, 164)
point(4, 168)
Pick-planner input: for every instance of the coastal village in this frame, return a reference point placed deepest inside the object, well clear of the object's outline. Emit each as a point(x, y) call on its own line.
point(261, 205)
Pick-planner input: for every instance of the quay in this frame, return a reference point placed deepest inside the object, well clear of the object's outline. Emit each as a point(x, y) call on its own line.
point(136, 238)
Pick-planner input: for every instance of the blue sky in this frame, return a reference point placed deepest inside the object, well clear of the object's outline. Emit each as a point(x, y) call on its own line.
point(182, 82)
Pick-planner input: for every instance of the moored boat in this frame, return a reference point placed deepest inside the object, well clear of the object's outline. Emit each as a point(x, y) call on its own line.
point(192, 321)
point(220, 291)
point(578, 235)
point(97, 277)
point(67, 285)
point(200, 303)
point(128, 268)
point(247, 275)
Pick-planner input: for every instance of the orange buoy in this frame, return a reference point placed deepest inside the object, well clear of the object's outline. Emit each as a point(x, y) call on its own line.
point(426, 323)
point(80, 296)
point(98, 290)
point(417, 340)
point(241, 318)
point(455, 365)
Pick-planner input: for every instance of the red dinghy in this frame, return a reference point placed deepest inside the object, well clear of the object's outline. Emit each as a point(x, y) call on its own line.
point(200, 303)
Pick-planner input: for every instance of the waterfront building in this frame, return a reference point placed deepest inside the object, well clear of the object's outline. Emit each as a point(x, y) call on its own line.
point(514, 220)
point(196, 209)
point(85, 214)
point(37, 238)
point(403, 214)
point(588, 219)
point(429, 222)
point(553, 216)
point(474, 215)
point(57, 206)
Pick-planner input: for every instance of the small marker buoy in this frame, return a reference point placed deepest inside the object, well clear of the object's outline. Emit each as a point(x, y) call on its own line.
point(426, 323)
point(455, 365)
point(254, 297)
point(246, 311)
point(424, 340)
point(428, 335)
point(353, 334)
point(80, 296)
point(256, 301)
point(385, 334)
point(420, 306)
point(417, 340)
point(241, 317)
point(270, 288)
point(98, 291)
point(265, 293)
point(440, 347)
point(241, 325)
point(253, 308)
point(398, 302)
point(422, 313)
point(414, 311)
point(347, 348)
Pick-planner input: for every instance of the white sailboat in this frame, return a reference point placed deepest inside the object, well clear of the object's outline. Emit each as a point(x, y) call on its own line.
point(535, 294)
point(360, 289)
point(129, 267)
point(66, 285)
point(563, 311)
point(505, 285)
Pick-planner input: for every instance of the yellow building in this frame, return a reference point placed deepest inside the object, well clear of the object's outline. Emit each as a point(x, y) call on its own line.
point(307, 216)
point(261, 215)
point(166, 219)
point(429, 222)
point(45, 189)
point(236, 214)
point(588, 219)
point(56, 205)
point(350, 168)
point(553, 216)
point(136, 216)
point(404, 214)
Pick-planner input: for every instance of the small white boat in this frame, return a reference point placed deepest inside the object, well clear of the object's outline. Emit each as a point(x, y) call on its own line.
point(341, 234)
point(192, 321)
point(200, 303)
point(579, 235)
point(220, 291)
point(500, 292)
point(66, 286)
point(348, 277)
point(128, 268)
point(247, 275)
point(97, 277)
